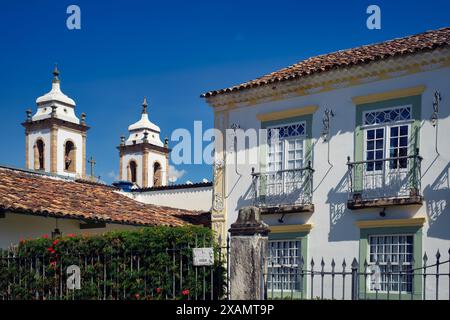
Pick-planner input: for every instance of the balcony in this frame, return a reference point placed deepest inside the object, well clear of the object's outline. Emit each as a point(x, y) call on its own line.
point(284, 191)
point(385, 182)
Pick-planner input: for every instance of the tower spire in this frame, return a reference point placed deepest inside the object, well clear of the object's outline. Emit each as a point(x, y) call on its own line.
point(144, 106)
point(55, 74)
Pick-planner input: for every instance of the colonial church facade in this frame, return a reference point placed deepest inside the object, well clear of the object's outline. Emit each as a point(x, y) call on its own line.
point(53, 195)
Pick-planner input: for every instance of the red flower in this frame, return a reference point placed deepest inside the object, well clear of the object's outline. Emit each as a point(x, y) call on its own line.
point(158, 290)
point(185, 292)
point(55, 242)
point(22, 241)
point(71, 235)
point(53, 264)
point(50, 249)
point(45, 236)
point(137, 296)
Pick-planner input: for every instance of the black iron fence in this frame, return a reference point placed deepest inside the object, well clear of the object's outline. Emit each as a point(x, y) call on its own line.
point(127, 275)
point(293, 278)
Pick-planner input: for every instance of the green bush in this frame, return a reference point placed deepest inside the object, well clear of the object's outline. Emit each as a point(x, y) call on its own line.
point(149, 263)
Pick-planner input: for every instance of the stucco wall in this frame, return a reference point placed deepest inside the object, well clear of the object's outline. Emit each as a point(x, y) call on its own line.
point(187, 198)
point(334, 233)
point(63, 136)
point(32, 138)
point(15, 227)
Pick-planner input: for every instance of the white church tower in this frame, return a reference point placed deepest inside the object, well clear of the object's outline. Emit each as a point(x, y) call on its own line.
point(55, 138)
point(144, 158)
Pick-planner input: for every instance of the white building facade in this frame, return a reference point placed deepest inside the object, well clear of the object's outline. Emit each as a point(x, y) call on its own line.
point(360, 168)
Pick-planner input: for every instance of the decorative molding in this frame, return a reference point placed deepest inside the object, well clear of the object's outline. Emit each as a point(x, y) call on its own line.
point(291, 228)
point(218, 202)
point(285, 114)
point(83, 156)
point(394, 94)
point(145, 168)
point(389, 223)
point(53, 148)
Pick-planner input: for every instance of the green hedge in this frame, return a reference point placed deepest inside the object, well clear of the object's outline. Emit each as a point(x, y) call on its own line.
point(150, 263)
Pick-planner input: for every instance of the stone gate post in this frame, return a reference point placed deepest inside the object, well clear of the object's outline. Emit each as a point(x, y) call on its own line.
point(248, 248)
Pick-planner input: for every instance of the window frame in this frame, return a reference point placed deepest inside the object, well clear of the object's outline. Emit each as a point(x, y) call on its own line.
point(408, 234)
point(285, 144)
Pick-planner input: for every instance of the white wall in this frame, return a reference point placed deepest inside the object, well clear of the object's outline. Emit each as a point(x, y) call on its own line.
point(126, 159)
point(199, 198)
point(334, 233)
point(15, 227)
point(32, 138)
point(157, 157)
point(63, 135)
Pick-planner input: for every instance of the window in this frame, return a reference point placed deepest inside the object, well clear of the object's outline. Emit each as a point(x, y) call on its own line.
point(387, 137)
point(157, 179)
point(398, 249)
point(39, 155)
point(285, 147)
point(285, 158)
point(69, 156)
point(283, 265)
point(132, 171)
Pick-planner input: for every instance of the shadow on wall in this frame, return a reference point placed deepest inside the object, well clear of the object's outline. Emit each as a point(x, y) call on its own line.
point(342, 227)
point(437, 199)
point(246, 199)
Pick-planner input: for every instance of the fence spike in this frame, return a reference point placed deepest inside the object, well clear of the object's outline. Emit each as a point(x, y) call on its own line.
point(425, 258)
point(355, 263)
point(344, 264)
point(365, 264)
point(322, 263)
point(333, 264)
point(438, 255)
point(312, 263)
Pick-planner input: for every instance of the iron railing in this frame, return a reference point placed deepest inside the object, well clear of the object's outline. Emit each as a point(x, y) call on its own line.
point(397, 177)
point(300, 280)
point(284, 187)
point(123, 275)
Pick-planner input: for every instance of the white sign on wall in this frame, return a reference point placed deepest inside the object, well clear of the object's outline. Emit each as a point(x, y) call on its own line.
point(203, 257)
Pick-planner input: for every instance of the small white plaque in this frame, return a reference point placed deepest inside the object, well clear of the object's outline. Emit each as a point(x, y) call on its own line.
point(203, 257)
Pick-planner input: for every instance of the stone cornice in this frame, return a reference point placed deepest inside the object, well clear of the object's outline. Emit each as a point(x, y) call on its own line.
point(51, 122)
point(140, 147)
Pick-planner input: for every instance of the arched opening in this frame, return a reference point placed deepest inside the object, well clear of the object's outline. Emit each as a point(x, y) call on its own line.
point(132, 171)
point(39, 155)
point(157, 174)
point(69, 156)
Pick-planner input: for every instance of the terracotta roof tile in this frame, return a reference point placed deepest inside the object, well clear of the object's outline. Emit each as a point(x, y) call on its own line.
point(426, 41)
point(39, 194)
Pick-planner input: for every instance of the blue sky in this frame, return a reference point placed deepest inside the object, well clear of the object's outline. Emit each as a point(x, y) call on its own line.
point(171, 52)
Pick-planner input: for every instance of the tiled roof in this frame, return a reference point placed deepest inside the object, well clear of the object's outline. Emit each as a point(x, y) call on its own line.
point(426, 41)
point(27, 192)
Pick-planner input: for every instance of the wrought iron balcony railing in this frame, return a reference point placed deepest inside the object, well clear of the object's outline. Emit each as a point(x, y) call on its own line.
point(283, 188)
point(389, 181)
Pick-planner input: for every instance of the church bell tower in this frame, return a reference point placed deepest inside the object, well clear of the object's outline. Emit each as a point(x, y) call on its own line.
point(55, 137)
point(144, 158)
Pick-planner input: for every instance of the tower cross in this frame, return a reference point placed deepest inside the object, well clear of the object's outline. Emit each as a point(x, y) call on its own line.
point(92, 162)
